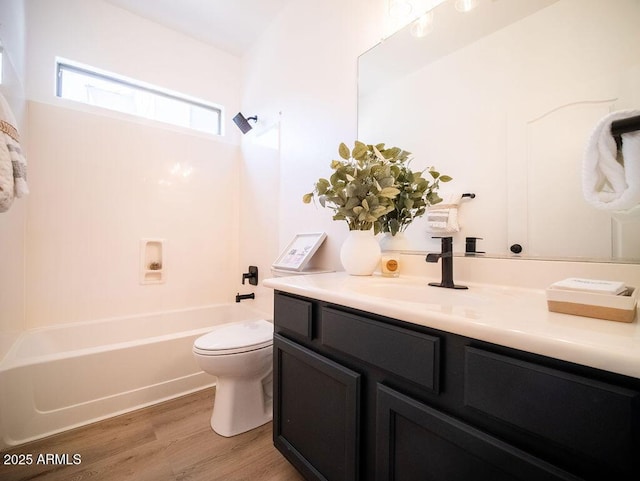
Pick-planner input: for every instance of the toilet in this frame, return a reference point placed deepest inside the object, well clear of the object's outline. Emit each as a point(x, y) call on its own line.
point(240, 354)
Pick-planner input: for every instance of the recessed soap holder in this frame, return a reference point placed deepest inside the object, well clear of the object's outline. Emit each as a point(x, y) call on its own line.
point(152, 268)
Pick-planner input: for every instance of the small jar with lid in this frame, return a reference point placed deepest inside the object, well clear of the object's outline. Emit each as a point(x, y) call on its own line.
point(390, 264)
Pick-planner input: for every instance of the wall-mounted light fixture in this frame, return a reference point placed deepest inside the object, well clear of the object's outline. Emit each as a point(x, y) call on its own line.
point(243, 123)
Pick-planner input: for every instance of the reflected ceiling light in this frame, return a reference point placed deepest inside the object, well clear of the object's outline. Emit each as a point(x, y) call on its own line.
point(400, 8)
point(423, 26)
point(466, 5)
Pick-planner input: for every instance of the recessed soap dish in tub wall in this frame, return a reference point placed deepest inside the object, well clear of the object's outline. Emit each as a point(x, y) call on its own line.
point(152, 269)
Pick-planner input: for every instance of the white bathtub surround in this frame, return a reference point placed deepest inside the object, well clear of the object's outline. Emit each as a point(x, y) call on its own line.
point(100, 181)
point(608, 183)
point(78, 228)
point(57, 378)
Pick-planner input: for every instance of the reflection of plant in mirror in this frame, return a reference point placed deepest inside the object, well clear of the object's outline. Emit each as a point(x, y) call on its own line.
point(362, 186)
point(373, 187)
point(416, 194)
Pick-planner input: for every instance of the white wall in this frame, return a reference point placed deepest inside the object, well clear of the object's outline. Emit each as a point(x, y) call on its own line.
point(305, 66)
point(101, 182)
point(12, 222)
point(112, 39)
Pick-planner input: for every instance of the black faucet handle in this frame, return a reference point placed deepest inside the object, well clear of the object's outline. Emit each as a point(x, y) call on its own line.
point(471, 244)
point(252, 275)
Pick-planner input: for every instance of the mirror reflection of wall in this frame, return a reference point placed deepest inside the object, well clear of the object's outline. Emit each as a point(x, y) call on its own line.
point(503, 99)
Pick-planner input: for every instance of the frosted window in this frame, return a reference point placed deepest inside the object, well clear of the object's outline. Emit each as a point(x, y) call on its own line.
point(84, 85)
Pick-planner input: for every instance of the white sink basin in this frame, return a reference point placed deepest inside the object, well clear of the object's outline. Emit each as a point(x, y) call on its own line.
point(420, 293)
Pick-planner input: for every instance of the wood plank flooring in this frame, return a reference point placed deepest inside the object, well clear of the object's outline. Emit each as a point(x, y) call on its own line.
point(171, 441)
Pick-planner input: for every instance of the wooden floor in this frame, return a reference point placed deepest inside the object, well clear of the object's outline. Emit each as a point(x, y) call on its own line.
point(171, 441)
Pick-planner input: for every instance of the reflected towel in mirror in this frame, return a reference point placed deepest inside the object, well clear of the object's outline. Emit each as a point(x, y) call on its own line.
point(443, 217)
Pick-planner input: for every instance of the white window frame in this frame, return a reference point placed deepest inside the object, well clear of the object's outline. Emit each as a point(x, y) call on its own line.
point(72, 67)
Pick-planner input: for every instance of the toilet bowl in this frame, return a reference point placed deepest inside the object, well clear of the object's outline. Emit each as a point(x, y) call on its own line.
point(240, 354)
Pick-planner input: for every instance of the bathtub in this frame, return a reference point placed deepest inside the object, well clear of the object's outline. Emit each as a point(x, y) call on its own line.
point(56, 378)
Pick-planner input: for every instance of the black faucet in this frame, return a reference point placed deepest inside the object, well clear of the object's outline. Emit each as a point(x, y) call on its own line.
point(252, 276)
point(447, 264)
point(242, 297)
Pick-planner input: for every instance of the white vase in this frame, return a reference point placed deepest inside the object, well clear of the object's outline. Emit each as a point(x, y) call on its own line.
point(360, 253)
point(398, 242)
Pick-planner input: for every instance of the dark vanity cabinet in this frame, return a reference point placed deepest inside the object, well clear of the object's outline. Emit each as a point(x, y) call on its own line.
point(358, 396)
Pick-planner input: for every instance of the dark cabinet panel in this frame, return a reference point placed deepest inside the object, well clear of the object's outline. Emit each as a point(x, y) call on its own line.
point(316, 412)
point(294, 315)
point(428, 405)
point(407, 354)
point(596, 419)
point(418, 443)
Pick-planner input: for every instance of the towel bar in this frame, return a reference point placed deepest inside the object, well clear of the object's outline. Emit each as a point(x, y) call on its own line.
point(624, 126)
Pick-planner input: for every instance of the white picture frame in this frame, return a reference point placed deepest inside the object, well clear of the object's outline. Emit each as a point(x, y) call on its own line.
point(299, 251)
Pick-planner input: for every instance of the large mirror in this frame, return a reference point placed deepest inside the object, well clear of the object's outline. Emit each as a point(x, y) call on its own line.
point(504, 98)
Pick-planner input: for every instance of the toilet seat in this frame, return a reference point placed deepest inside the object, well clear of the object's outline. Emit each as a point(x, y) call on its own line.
point(234, 338)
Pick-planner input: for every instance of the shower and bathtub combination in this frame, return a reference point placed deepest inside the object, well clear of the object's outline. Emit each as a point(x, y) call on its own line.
point(56, 378)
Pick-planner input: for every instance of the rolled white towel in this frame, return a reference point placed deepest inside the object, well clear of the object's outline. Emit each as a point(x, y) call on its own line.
point(607, 183)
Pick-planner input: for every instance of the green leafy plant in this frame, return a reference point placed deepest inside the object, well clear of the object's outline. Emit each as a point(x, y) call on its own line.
point(417, 192)
point(362, 186)
point(373, 187)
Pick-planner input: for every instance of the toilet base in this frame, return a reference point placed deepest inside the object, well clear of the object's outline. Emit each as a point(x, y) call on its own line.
point(241, 405)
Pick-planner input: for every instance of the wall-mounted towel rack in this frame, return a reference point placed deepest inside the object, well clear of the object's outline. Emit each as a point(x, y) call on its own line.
point(624, 126)
point(470, 195)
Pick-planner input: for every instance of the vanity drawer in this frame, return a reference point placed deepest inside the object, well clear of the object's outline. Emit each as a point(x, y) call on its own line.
point(407, 354)
point(582, 415)
point(293, 315)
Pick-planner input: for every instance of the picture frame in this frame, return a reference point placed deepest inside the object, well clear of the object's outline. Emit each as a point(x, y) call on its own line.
point(299, 251)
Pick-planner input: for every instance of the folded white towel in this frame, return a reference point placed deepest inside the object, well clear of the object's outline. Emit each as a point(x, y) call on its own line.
point(13, 165)
point(443, 217)
point(6, 178)
point(610, 183)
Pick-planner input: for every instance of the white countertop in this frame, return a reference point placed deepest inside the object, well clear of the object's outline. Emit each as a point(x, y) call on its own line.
point(513, 317)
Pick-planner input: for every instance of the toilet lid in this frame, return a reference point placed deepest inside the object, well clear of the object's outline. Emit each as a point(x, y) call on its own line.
point(236, 337)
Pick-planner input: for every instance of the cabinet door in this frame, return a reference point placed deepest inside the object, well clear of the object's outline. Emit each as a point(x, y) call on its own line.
point(417, 442)
point(316, 412)
point(575, 413)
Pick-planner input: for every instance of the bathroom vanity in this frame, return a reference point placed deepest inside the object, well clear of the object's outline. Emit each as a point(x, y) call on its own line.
point(378, 379)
